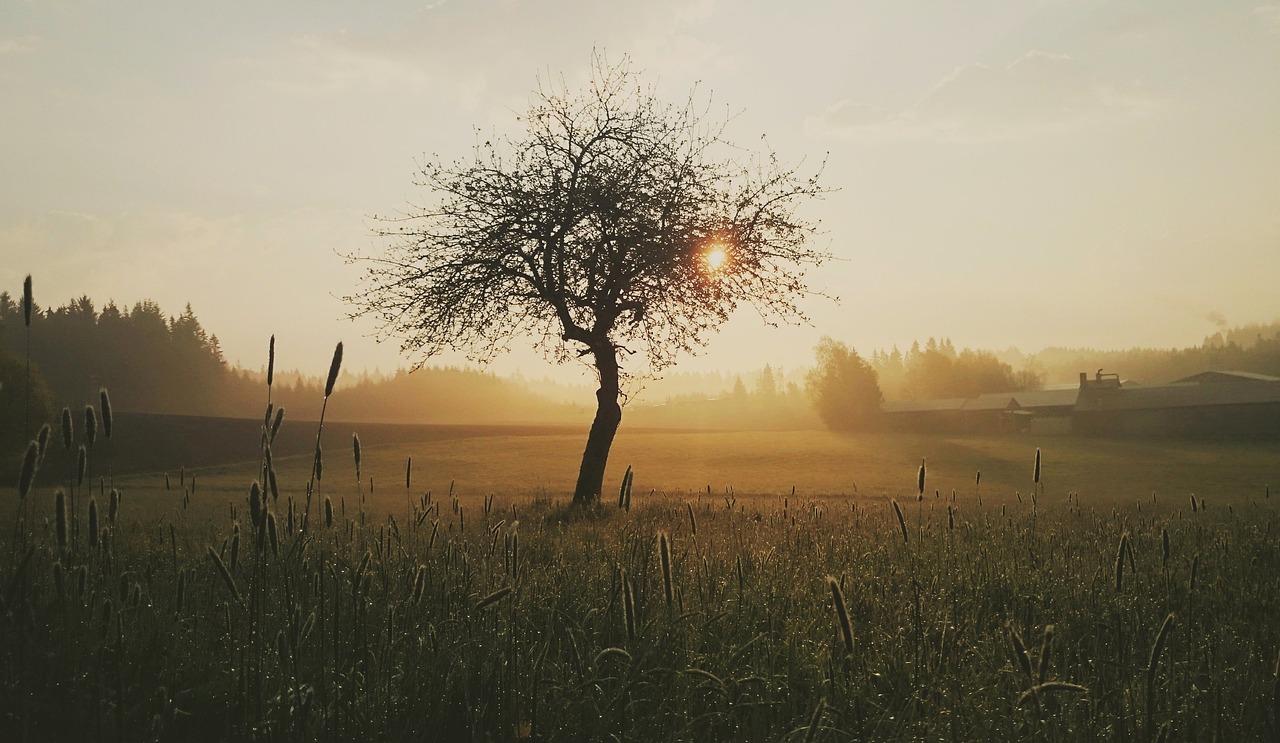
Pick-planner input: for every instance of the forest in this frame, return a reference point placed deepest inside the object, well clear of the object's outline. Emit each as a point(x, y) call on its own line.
point(152, 362)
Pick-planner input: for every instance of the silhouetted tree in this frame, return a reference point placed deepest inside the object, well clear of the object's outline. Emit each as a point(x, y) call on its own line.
point(844, 388)
point(617, 224)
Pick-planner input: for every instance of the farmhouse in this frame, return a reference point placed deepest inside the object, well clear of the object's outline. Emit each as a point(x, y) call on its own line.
point(1214, 404)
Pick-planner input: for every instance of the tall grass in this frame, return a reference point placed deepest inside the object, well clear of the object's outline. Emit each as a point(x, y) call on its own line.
point(738, 626)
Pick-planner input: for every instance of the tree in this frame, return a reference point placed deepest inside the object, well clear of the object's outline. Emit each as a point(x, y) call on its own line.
point(767, 383)
point(615, 225)
point(14, 406)
point(844, 388)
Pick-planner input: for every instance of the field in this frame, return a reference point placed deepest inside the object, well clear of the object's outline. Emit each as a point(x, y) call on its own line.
point(1130, 595)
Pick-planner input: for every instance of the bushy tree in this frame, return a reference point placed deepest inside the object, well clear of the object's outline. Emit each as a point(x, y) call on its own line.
point(844, 388)
point(16, 409)
point(617, 224)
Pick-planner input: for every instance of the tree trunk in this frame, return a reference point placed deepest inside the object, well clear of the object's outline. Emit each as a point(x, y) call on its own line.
point(603, 428)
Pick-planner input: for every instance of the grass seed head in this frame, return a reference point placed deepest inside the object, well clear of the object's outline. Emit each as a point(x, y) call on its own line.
point(628, 607)
point(93, 522)
point(1021, 659)
point(902, 523)
point(842, 614)
point(1157, 648)
point(334, 367)
point(104, 401)
point(275, 423)
point(494, 598)
point(42, 440)
point(27, 300)
point(66, 429)
point(221, 567)
point(90, 425)
point(664, 553)
point(255, 503)
point(60, 519)
point(1119, 568)
point(30, 464)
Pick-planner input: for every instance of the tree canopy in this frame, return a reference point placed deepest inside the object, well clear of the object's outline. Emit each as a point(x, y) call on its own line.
point(614, 224)
point(844, 388)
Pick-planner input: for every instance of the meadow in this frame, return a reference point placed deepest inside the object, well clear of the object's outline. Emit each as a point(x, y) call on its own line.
point(758, 586)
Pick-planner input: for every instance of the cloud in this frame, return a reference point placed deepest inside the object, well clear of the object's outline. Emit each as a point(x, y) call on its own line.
point(319, 65)
point(457, 51)
point(19, 45)
point(1037, 93)
point(1270, 15)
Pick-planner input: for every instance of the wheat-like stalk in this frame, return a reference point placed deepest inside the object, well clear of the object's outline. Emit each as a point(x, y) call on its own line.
point(93, 522)
point(1019, 650)
point(355, 451)
point(902, 523)
point(494, 597)
point(842, 614)
point(1157, 648)
point(334, 366)
point(271, 362)
point(815, 722)
point(664, 553)
point(30, 464)
point(221, 567)
point(104, 400)
point(628, 607)
point(1119, 568)
point(60, 519)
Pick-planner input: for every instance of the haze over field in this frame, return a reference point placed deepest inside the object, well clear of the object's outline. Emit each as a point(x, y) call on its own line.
point(1011, 173)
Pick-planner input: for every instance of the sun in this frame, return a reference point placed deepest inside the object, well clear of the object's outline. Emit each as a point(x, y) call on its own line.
point(716, 256)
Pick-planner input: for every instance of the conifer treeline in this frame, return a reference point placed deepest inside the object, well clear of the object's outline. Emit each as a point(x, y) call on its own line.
point(938, 370)
point(150, 362)
point(153, 363)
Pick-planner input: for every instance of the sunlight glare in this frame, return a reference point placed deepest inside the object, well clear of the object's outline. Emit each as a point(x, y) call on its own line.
point(716, 257)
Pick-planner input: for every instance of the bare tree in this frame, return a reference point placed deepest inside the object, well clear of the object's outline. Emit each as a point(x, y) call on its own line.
point(616, 225)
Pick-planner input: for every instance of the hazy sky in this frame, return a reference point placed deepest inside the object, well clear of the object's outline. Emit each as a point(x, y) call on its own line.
point(1013, 172)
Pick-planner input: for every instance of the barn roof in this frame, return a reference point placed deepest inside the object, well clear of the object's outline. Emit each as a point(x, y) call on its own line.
point(924, 406)
point(991, 401)
point(1216, 377)
point(1179, 396)
point(1049, 398)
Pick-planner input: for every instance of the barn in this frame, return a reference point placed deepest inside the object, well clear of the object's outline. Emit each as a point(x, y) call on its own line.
point(1206, 405)
point(1213, 404)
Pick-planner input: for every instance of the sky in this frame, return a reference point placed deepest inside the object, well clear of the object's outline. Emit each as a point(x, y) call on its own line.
point(1026, 173)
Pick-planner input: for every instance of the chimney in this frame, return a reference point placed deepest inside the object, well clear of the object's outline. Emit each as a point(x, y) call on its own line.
point(1084, 379)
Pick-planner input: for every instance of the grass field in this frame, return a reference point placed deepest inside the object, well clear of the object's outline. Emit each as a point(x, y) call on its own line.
point(1106, 606)
point(541, 462)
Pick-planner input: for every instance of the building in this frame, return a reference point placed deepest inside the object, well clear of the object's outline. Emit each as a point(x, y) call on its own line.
point(1212, 404)
point(1206, 405)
